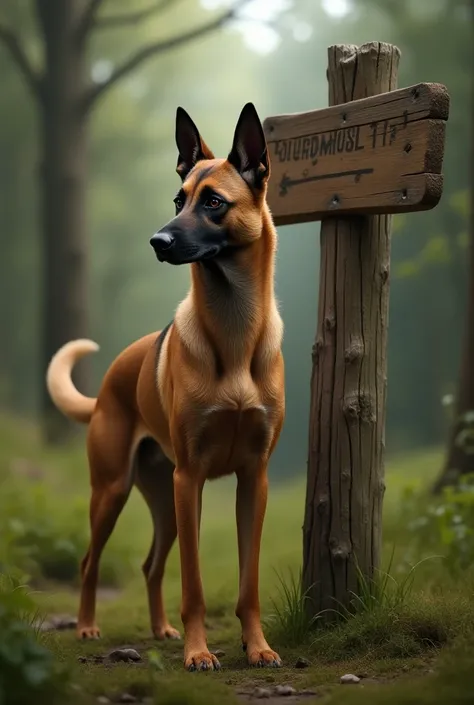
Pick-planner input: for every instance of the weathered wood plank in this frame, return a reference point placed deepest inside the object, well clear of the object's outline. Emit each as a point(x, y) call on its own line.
point(423, 100)
point(359, 157)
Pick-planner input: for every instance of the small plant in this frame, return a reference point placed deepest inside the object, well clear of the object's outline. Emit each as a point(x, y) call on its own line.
point(28, 671)
point(446, 524)
point(290, 622)
point(465, 436)
point(382, 592)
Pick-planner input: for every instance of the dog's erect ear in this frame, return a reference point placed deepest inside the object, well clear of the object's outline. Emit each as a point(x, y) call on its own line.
point(249, 154)
point(191, 146)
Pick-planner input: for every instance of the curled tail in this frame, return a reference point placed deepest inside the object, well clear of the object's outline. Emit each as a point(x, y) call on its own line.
point(60, 385)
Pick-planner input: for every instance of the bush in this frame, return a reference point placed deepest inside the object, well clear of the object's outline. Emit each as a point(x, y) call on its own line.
point(45, 538)
point(28, 671)
point(445, 524)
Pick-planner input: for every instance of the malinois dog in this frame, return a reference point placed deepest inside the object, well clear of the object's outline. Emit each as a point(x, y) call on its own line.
point(202, 399)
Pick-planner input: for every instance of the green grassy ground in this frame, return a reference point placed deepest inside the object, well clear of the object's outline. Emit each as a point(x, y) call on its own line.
point(391, 646)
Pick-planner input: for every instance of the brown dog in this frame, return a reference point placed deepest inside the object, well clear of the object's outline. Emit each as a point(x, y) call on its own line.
point(202, 399)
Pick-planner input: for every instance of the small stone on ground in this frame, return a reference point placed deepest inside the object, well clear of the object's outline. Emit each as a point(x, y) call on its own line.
point(261, 693)
point(59, 622)
point(125, 655)
point(349, 678)
point(284, 690)
point(302, 662)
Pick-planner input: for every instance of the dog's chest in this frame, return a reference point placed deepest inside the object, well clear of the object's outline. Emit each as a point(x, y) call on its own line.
point(228, 439)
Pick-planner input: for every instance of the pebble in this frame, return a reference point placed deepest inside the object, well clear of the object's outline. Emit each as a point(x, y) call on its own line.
point(261, 693)
point(218, 653)
point(127, 698)
point(57, 623)
point(103, 700)
point(284, 690)
point(124, 655)
point(349, 678)
point(61, 622)
point(302, 662)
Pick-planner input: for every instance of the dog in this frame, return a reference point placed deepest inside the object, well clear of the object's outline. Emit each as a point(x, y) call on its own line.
point(202, 399)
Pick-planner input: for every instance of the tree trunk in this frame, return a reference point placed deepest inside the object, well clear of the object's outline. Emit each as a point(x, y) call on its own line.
point(62, 191)
point(458, 461)
point(345, 483)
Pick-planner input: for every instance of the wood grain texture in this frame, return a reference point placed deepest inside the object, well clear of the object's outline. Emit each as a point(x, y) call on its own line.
point(345, 482)
point(359, 157)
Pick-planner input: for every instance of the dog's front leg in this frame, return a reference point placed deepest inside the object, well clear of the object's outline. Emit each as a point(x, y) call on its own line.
point(188, 492)
point(252, 488)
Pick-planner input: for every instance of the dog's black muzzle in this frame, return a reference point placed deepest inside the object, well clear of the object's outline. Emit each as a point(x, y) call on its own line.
point(179, 247)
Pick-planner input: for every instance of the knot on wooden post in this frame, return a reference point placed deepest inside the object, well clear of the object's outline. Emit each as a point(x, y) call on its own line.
point(354, 351)
point(340, 550)
point(316, 349)
point(323, 502)
point(384, 274)
point(330, 321)
point(359, 407)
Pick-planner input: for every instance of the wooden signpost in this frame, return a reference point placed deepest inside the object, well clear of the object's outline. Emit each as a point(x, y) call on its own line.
point(374, 152)
point(375, 155)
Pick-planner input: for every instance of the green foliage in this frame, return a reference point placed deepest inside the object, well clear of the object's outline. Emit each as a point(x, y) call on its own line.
point(423, 622)
point(445, 523)
point(28, 670)
point(381, 592)
point(289, 623)
point(46, 538)
point(465, 437)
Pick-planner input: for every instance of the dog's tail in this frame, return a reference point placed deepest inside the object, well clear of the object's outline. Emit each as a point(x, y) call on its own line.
point(60, 385)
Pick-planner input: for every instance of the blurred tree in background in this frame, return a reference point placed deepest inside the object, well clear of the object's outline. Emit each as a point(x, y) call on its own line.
point(460, 454)
point(279, 63)
point(66, 87)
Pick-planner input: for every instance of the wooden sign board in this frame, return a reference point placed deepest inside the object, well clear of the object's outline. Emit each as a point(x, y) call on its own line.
point(382, 154)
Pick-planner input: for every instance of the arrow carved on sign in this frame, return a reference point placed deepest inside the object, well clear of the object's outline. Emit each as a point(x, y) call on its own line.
point(286, 182)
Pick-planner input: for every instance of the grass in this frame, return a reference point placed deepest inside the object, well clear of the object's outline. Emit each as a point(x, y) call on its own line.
point(288, 621)
point(451, 683)
point(403, 619)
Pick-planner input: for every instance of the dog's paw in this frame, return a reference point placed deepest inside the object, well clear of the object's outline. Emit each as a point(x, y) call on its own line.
point(166, 632)
point(263, 658)
point(202, 661)
point(88, 632)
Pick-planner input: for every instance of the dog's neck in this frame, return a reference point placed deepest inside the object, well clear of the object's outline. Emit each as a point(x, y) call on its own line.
point(231, 301)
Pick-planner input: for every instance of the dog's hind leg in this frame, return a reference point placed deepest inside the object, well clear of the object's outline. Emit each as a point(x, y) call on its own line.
point(154, 479)
point(109, 448)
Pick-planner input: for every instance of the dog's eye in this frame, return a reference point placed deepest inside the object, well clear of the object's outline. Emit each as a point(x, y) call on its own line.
point(214, 202)
point(178, 202)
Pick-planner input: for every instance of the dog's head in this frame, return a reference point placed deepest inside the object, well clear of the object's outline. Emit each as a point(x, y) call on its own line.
point(219, 204)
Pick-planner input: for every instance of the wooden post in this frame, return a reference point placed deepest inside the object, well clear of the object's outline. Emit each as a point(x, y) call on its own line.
point(381, 154)
point(348, 386)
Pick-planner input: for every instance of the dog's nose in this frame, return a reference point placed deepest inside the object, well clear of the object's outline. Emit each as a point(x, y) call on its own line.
point(162, 241)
